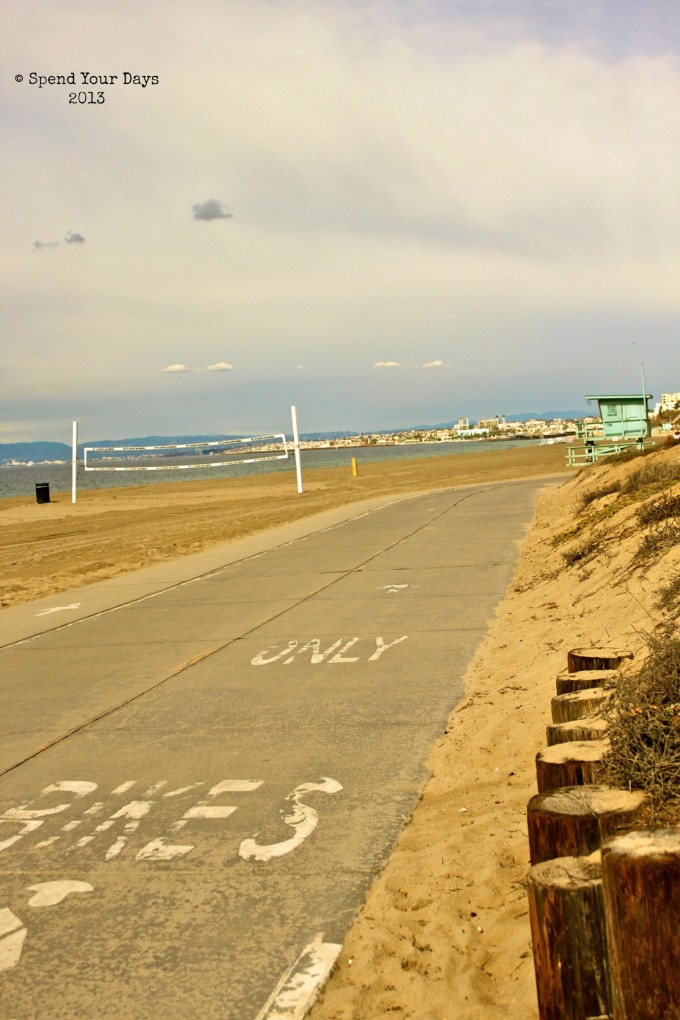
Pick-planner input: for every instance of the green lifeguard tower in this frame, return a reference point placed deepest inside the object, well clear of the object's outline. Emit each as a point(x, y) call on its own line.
point(625, 424)
point(624, 415)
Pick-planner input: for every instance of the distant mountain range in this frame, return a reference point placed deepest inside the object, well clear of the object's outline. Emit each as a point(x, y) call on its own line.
point(34, 451)
point(49, 451)
point(46, 451)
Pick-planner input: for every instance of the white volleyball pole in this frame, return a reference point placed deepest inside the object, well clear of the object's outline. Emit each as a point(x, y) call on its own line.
point(296, 448)
point(74, 461)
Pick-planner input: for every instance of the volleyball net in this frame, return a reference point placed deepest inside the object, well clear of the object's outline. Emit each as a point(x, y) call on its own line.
point(195, 454)
point(214, 453)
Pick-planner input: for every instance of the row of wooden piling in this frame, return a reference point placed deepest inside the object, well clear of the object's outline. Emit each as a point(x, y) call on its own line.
point(604, 899)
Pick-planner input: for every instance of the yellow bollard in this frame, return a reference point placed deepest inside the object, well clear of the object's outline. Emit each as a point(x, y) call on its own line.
point(355, 469)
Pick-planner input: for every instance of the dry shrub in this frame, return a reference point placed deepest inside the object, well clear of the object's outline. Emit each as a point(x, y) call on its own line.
point(586, 498)
point(658, 540)
point(586, 548)
point(655, 476)
point(659, 510)
point(668, 595)
point(644, 729)
point(655, 472)
point(632, 453)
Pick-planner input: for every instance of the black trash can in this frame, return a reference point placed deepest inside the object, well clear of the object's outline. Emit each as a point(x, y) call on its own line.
point(42, 492)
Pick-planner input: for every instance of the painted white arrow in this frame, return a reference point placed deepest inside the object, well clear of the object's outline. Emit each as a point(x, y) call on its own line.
point(391, 588)
point(58, 609)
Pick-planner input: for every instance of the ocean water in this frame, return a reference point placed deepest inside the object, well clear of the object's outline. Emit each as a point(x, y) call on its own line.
point(20, 480)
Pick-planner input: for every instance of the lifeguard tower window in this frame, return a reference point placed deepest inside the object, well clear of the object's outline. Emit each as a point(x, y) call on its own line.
point(624, 415)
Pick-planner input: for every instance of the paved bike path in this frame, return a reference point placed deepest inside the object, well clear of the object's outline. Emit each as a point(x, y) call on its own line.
point(227, 764)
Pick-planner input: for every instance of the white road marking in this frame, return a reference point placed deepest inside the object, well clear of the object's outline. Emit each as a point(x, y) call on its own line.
point(79, 787)
point(208, 811)
point(135, 811)
point(303, 819)
point(128, 819)
point(292, 649)
point(205, 810)
point(12, 935)
point(26, 828)
point(32, 818)
point(314, 646)
point(159, 850)
point(153, 790)
point(12, 930)
point(339, 657)
point(48, 894)
point(59, 609)
point(382, 647)
point(299, 987)
point(96, 809)
point(261, 658)
point(9, 922)
point(124, 787)
point(182, 789)
point(235, 786)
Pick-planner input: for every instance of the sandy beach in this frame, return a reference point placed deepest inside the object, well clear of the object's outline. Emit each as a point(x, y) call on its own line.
point(444, 933)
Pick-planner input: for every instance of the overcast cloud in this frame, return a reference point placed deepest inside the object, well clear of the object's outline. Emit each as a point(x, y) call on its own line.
point(211, 209)
point(489, 189)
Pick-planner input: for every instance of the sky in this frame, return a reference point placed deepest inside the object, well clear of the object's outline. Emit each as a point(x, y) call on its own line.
point(383, 212)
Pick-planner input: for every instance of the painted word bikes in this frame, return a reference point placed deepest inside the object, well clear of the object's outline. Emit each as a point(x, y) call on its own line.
point(43, 823)
point(296, 651)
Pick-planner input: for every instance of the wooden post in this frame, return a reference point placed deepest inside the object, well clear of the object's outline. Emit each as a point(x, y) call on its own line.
point(569, 683)
point(578, 704)
point(575, 820)
point(577, 729)
point(572, 764)
point(569, 939)
point(596, 658)
point(641, 875)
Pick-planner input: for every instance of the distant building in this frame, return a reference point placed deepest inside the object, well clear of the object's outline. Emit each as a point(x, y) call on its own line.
point(669, 402)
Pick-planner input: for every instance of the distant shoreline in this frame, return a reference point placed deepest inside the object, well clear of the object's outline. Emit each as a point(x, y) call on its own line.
point(339, 445)
point(18, 480)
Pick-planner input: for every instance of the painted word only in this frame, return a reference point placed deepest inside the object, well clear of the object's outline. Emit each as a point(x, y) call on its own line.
point(294, 651)
point(28, 819)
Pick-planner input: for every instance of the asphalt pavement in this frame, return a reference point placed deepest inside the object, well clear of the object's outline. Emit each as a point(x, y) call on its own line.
point(203, 767)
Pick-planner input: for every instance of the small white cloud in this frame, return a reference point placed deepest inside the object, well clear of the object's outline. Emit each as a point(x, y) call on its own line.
point(387, 364)
point(219, 366)
point(433, 364)
point(177, 368)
